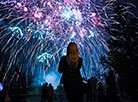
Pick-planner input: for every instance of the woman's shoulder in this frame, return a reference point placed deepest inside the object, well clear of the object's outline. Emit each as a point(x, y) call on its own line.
point(63, 57)
point(81, 59)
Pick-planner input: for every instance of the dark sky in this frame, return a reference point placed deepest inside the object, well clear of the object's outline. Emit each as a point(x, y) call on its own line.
point(135, 2)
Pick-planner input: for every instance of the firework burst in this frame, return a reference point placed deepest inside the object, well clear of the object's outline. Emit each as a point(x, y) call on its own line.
point(35, 34)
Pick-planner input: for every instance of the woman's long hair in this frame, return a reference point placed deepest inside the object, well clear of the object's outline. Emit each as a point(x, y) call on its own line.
point(74, 59)
point(70, 45)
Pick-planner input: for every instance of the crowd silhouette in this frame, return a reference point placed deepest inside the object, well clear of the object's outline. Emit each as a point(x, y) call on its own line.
point(76, 88)
point(47, 92)
point(93, 91)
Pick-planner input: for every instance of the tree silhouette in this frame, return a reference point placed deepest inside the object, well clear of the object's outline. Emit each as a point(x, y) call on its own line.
point(123, 45)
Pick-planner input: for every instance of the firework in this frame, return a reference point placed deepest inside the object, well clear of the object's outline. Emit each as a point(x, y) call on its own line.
point(35, 34)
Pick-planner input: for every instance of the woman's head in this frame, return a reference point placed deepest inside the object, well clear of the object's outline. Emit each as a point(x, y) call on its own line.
point(72, 49)
point(72, 53)
point(110, 72)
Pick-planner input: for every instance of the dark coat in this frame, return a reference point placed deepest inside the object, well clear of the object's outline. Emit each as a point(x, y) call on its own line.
point(70, 75)
point(72, 80)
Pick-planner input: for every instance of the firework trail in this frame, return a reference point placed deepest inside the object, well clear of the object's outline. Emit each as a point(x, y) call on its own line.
point(35, 34)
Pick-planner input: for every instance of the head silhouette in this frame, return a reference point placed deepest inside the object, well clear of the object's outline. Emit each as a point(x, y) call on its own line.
point(110, 72)
point(72, 48)
point(72, 54)
point(50, 85)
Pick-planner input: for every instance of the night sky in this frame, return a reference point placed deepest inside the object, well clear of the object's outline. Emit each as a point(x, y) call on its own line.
point(34, 35)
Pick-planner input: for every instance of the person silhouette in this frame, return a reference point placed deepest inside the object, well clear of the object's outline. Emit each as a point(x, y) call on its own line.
point(100, 92)
point(111, 87)
point(50, 93)
point(71, 78)
point(44, 92)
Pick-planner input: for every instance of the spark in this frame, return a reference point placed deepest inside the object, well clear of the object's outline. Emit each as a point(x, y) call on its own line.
point(44, 29)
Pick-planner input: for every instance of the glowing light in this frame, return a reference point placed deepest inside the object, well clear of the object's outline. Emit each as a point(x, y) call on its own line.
point(49, 3)
point(25, 9)
point(49, 25)
point(73, 35)
point(83, 32)
point(44, 58)
point(60, 7)
point(46, 22)
point(1, 86)
point(69, 2)
point(38, 14)
point(37, 32)
point(91, 33)
point(52, 78)
point(17, 30)
point(67, 13)
point(78, 14)
point(93, 14)
point(64, 51)
point(19, 4)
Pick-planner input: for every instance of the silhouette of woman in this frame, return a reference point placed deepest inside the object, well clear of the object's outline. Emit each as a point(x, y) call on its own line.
point(71, 78)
